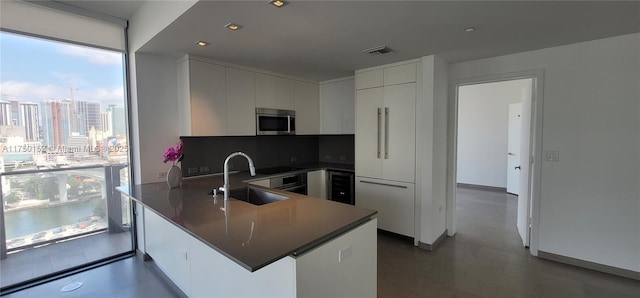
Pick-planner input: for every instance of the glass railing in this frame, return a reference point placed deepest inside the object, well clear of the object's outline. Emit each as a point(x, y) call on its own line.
point(41, 207)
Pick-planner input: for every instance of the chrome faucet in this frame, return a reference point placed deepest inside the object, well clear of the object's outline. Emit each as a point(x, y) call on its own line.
point(225, 187)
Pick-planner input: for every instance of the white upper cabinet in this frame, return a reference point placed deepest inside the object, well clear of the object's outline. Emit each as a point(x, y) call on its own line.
point(241, 102)
point(338, 106)
point(217, 100)
point(208, 99)
point(307, 105)
point(400, 74)
point(369, 79)
point(265, 91)
point(274, 92)
point(285, 98)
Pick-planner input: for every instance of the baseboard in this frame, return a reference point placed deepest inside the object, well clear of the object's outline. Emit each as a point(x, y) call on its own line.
point(485, 187)
point(589, 265)
point(432, 247)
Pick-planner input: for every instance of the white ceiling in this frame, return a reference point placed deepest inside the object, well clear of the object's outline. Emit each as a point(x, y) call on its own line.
point(321, 40)
point(124, 9)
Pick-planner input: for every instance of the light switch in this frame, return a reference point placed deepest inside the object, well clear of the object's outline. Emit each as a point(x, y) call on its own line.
point(552, 155)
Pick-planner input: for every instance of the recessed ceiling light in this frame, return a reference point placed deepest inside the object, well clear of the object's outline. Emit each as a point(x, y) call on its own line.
point(469, 29)
point(202, 43)
point(278, 3)
point(232, 26)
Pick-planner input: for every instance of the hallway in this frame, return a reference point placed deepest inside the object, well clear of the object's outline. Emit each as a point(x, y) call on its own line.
point(486, 258)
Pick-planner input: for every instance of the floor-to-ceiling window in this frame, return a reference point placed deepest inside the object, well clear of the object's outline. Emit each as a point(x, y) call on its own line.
point(64, 149)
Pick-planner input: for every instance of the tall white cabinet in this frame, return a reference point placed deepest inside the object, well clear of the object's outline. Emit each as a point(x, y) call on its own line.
point(385, 143)
point(337, 101)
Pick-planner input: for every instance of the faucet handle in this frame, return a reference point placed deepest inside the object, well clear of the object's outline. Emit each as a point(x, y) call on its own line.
point(222, 189)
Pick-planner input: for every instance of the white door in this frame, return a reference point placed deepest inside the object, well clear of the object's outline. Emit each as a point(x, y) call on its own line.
point(524, 197)
point(399, 130)
point(369, 126)
point(513, 148)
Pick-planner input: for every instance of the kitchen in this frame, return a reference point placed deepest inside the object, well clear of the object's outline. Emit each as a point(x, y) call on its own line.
point(160, 116)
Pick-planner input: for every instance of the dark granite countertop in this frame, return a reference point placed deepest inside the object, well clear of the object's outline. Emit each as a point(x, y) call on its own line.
point(252, 236)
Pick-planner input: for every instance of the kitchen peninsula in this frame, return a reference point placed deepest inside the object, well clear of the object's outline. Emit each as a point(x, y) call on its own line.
point(301, 246)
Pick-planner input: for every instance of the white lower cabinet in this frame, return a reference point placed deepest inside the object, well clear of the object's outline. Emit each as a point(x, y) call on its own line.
point(317, 184)
point(343, 267)
point(168, 246)
point(214, 275)
point(393, 200)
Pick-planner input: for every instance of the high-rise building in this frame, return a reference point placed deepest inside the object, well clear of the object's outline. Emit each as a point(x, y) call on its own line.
point(87, 116)
point(105, 120)
point(82, 125)
point(56, 122)
point(118, 123)
point(15, 112)
point(5, 113)
point(30, 120)
point(93, 116)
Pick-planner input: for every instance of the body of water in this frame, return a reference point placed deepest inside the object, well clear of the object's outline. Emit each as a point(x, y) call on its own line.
point(33, 220)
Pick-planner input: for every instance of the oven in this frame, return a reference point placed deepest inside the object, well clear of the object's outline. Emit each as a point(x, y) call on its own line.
point(275, 122)
point(294, 183)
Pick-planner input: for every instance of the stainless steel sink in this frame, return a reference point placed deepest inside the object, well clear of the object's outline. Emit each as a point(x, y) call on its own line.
point(256, 196)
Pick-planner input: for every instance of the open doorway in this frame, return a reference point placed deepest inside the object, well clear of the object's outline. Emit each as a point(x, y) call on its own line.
point(492, 170)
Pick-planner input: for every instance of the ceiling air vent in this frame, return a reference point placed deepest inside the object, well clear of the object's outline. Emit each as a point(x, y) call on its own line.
point(379, 50)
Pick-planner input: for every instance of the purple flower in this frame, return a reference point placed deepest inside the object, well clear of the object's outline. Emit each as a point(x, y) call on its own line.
point(173, 154)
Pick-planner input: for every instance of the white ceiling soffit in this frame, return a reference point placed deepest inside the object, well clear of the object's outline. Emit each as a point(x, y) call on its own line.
point(121, 9)
point(321, 40)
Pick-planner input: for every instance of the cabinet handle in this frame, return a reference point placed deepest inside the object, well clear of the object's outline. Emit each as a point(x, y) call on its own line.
point(386, 133)
point(384, 184)
point(378, 134)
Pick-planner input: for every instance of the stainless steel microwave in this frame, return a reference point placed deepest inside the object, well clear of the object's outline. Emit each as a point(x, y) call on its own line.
point(275, 122)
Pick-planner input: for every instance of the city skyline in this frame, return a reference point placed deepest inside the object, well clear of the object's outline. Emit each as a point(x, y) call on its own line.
point(54, 122)
point(57, 70)
point(57, 91)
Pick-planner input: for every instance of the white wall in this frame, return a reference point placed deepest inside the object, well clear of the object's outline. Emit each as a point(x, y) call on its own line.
point(155, 115)
point(483, 120)
point(431, 147)
point(590, 198)
point(153, 90)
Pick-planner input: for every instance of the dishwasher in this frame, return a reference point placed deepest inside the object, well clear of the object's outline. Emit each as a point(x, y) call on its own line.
point(341, 187)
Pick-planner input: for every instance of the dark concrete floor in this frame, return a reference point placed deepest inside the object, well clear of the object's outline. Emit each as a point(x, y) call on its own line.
point(131, 277)
point(485, 259)
point(37, 262)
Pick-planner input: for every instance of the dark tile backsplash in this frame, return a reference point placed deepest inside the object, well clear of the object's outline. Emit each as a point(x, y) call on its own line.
point(205, 155)
point(336, 149)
